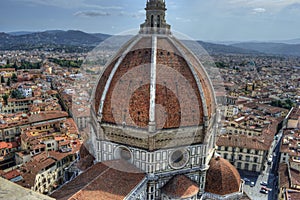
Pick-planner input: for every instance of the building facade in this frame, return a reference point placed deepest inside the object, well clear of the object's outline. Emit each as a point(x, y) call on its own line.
point(244, 152)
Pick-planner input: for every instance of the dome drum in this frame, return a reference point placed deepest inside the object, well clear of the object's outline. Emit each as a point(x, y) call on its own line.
point(163, 139)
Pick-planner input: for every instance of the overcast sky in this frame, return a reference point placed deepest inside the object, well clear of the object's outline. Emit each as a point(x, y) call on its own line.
point(217, 20)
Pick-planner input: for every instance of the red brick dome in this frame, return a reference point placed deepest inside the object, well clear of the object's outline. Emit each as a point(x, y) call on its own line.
point(222, 178)
point(154, 79)
point(180, 187)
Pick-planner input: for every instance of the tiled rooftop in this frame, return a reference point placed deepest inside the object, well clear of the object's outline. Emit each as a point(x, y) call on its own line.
point(222, 178)
point(243, 141)
point(180, 187)
point(111, 180)
point(178, 99)
point(283, 175)
point(45, 116)
point(290, 142)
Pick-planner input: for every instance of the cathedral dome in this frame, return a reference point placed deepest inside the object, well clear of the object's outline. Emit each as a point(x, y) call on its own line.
point(222, 178)
point(155, 83)
point(155, 79)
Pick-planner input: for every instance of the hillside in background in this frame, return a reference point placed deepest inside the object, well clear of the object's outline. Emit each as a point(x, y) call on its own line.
point(271, 48)
point(81, 41)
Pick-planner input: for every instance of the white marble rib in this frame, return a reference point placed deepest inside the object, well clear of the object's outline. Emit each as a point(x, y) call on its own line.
point(153, 80)
point(112, 74)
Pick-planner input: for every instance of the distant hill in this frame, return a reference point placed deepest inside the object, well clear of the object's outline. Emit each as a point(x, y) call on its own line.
point(19, 33)
point(63, 39)
point(79, 41)
point(101, 36)
point(293, 41)
point(271, 48)
point(49, 38)
point(225, 49)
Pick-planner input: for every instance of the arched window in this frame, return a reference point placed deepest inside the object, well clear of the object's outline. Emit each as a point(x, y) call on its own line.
point(158, 21)
point(152, 21)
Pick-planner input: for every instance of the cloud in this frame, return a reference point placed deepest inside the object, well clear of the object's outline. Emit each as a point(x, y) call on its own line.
point(258, 10)
point(56, 3)
point(274, 4)
point(103, 7)
point(70, 4)
point(138, 15)
point(92, 13)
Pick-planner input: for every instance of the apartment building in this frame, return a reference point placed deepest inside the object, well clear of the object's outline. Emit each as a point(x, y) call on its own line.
point(244, 152)
point(46, 171)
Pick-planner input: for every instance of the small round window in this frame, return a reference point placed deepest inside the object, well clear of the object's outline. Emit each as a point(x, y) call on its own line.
point(123, 153)
point(179, 158)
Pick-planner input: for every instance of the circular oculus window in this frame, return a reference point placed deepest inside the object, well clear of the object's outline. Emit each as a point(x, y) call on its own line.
point(179, 158)
point(123, 153)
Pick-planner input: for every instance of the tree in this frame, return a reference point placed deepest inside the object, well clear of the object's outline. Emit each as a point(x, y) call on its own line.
point(17, 94)
point(8, 82)
point(2, 79)
point(15, 66)
point(5, 97)
point(14, 78)
point(287, 104)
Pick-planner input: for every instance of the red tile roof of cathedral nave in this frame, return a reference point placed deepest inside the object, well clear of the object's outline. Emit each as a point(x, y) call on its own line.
point(219, 175)
point(110, 180)
point(180, 187)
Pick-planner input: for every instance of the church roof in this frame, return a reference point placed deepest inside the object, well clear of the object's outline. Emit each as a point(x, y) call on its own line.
point(222, 178)
point(180, 187)
point(154, 79)
point(110, 180)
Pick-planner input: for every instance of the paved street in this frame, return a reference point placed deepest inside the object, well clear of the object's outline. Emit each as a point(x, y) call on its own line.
point(253, 192)
point(267, 176)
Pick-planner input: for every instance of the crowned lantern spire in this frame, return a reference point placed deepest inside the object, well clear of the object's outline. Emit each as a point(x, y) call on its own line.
point(155, 18)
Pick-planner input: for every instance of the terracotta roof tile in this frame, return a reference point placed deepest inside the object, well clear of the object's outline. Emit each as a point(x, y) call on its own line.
point(219, 175)
point(111, 180)
point(177, 92)
point(12, 174)
point(48, 115)
point(243, 141)
point(293, 194)
point(180, 187)
point(283, 175)
point(295, 177)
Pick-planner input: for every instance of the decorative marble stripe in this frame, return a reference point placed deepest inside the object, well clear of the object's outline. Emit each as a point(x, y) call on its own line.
point(112, 74)
point(152, 125)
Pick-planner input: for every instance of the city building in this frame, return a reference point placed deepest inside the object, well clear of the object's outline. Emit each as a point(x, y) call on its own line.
point(7, 154)
point(244, 152)
point(290, 146)
point(289, 177)
point(46, 171)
